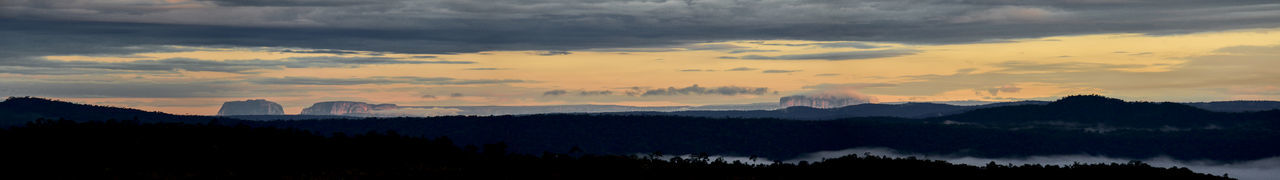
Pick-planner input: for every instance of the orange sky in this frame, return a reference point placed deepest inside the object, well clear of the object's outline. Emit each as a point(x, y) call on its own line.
point(1187, 67)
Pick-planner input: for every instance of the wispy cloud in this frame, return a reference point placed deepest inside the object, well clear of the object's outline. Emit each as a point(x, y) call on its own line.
point(699, 90)
point(697, 70)
point(321, 51)
point(559, 92)
point(750, 50)
point(772, 71)
point(450, 26)
point(837, 56)
point(380, 80)
point(553, 53)
point(227, 66)
point(856, 45)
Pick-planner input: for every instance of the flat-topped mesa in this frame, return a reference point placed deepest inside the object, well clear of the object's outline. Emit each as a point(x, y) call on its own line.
point(345, 108)
point(821, 101)
point(251, 107)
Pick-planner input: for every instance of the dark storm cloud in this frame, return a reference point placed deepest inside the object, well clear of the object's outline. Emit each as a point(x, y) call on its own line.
point(837, 56)
point(228, 66)
point(453, 26)
point(742, 69)
point(380, 80)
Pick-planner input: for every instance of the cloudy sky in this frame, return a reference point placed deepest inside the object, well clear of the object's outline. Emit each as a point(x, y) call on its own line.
point(189, 56)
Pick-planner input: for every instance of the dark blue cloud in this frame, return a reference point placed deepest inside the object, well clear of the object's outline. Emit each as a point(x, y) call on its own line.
point(230, 66)
point(461, 26)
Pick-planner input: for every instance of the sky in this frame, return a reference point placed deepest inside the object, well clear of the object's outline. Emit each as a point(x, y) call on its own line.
point(189, 56)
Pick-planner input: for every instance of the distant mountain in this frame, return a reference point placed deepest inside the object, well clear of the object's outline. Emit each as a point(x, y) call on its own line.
point(588, 108)
point(939, 109)
point(346, 108)
point(957, 103)
point(735, 107)
point(517, 110)
point(772, 110)
point(906, 110)
point(251, 107)
point(824, 101)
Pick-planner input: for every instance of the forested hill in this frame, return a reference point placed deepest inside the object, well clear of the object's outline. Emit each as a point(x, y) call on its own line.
point(129, 150)
point(1090, 125)
point(1101, 112)
point(932, 110)
point(785, 139)
point(19, 110)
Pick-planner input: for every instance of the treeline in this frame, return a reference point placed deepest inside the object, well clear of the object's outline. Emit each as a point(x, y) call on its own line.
point(16, 111)
point(1092, 125)
point(787, 139)
point(63, 149)
point(1085, 111)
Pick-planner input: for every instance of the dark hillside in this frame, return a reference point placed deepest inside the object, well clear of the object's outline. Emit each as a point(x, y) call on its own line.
point(129, 150)
point(1094, 111)
point(19, 110)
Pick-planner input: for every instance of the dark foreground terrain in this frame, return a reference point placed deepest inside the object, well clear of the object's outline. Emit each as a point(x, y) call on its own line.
point(64, 149)
point(1077, 125)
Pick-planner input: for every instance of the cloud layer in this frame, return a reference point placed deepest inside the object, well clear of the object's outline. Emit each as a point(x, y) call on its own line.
point(837, 56)
point(445, 26)
point(692, 90)
point(380, 80)
point(227, 66)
